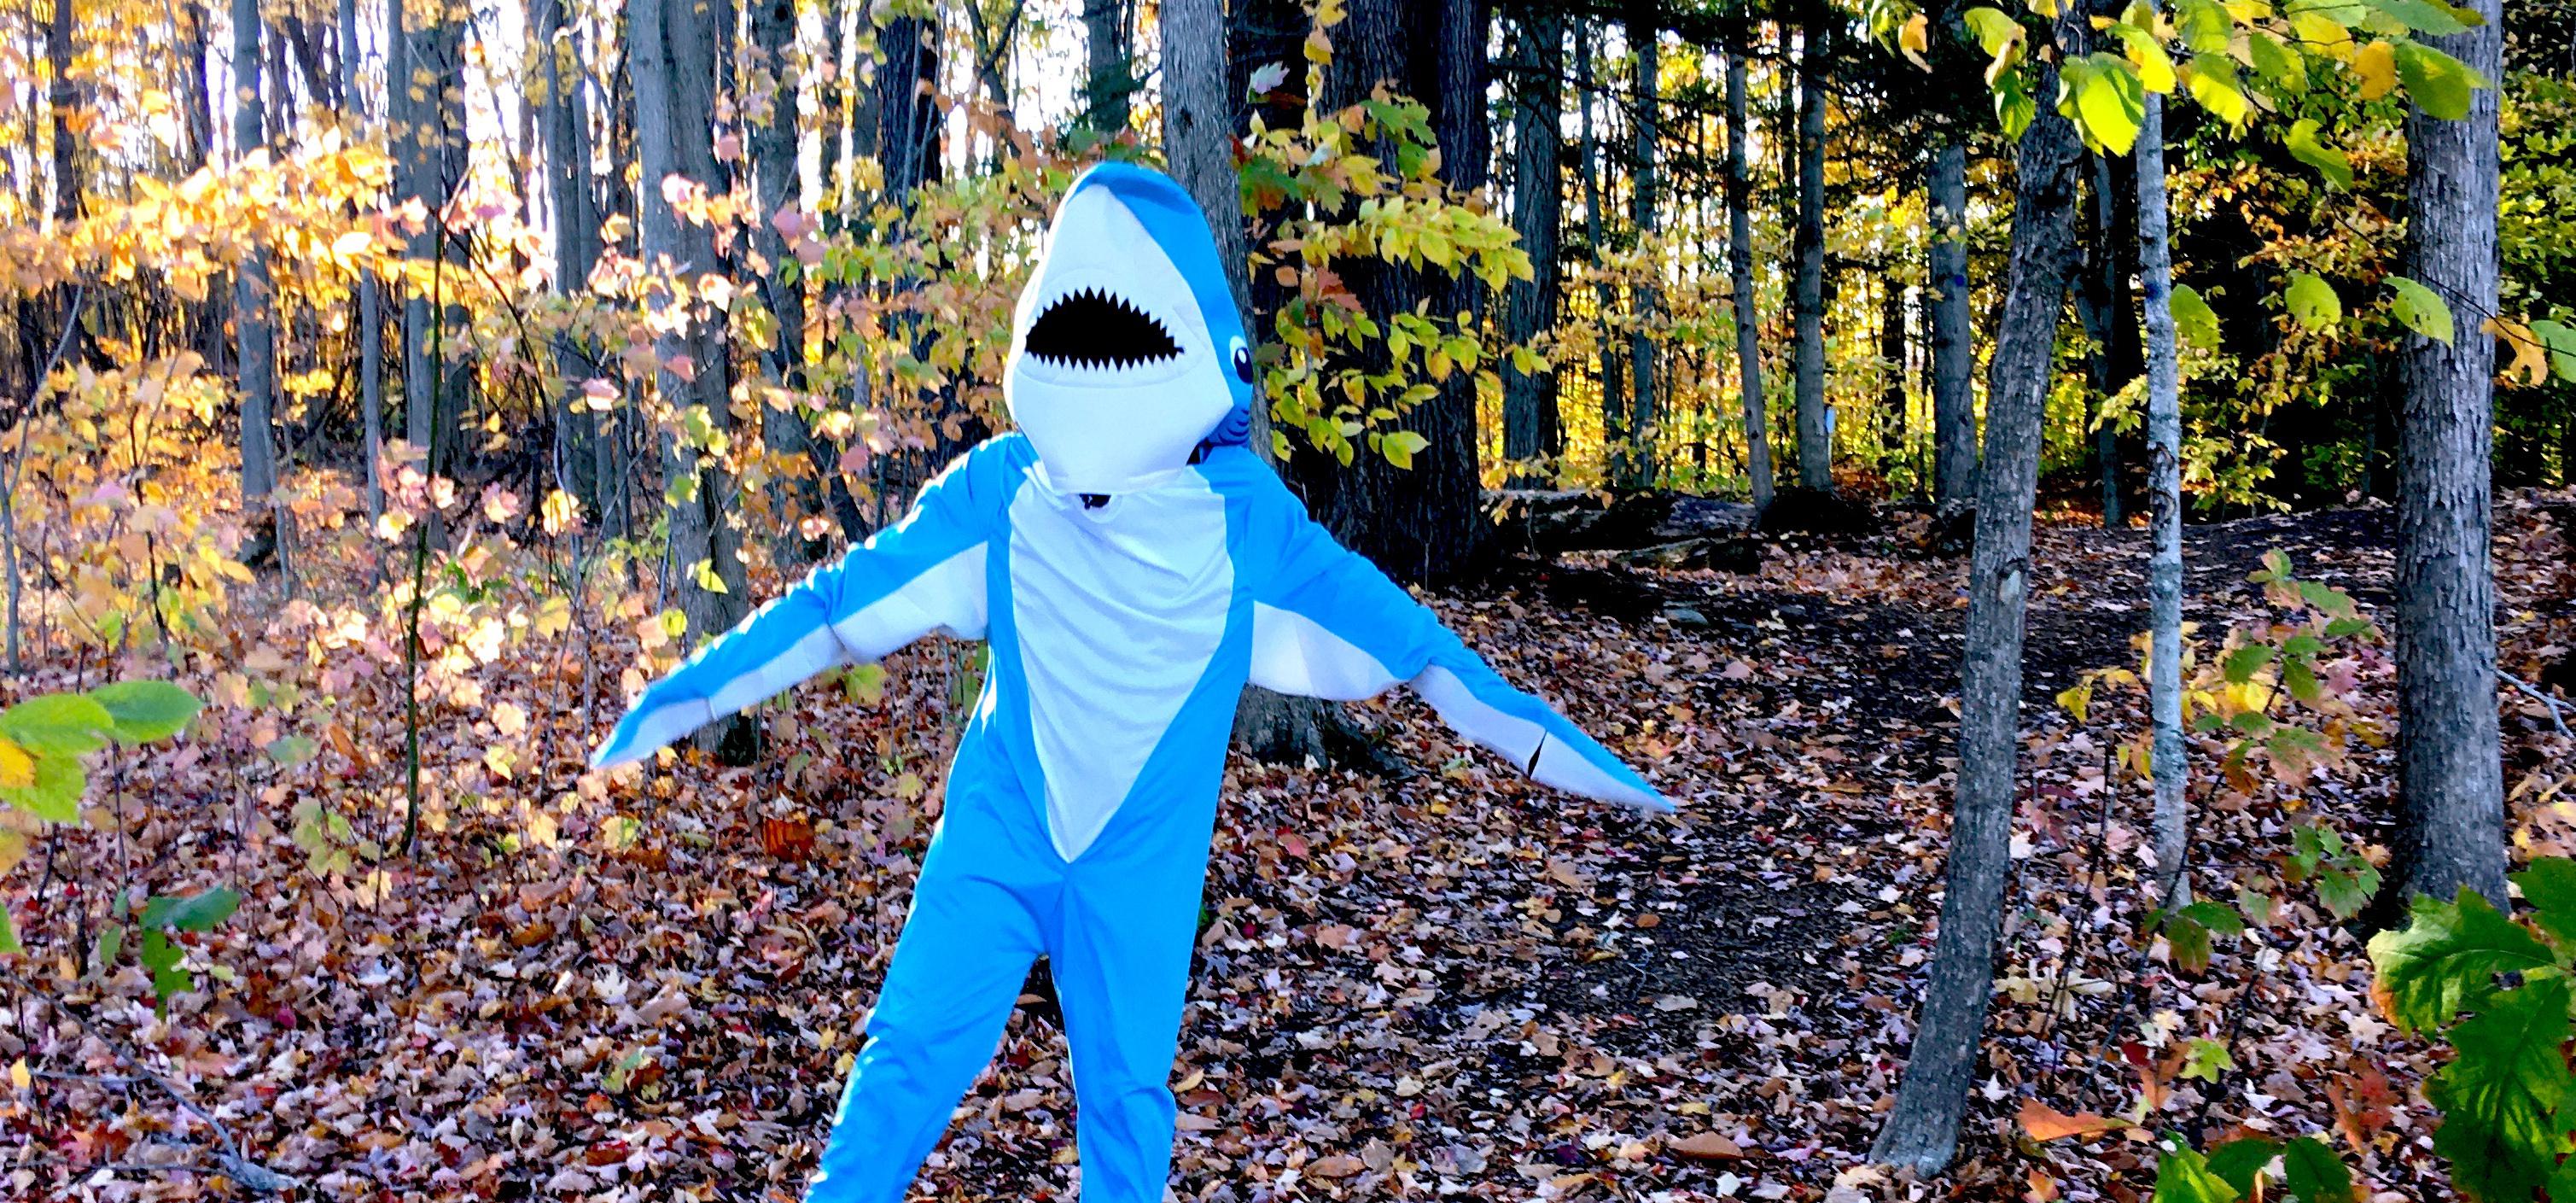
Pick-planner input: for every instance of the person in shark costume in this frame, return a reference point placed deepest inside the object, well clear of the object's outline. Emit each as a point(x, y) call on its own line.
point(1133, 564)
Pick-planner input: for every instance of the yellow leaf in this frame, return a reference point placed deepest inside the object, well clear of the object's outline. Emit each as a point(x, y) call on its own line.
point(18, 1075)
point(2530, 366)
point(17, 768)
point(2376, 65)
point(352, 244)
point(1915, 39)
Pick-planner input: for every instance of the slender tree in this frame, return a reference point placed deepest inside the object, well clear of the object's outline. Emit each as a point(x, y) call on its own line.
point(1109, 37)
point(2164, 510)
point(254, 329)
point(1739, 257)
point(371, 303)
point(1530, 426)
point(1954, 405)
point(1646, 44)
point(2450, 787)
point(1807, 305)
point(1922, 1129)
point(672, 48)
point(1608, 374)
point(773, 140)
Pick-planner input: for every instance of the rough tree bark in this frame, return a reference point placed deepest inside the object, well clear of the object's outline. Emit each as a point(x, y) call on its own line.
point(671, 45)
point(2450, 792)
point(1424, 522)
point(1807, 305)
point(2164, 509)
point(1922, 1129)
point(565, 129)
point(784, 432)
point(2103, 303)
point(254, 331)
point(1954, 357)
point(1109, 42)
point(1530, 426)
point(1739, 261)
point(1646, 40)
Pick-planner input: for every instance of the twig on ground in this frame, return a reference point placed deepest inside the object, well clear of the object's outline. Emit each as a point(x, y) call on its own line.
point(2555, 705)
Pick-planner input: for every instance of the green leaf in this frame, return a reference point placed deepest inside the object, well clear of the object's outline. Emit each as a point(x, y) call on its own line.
point(2195, 322)
point(2561, 341)
point(2206, 27)
point(111, 941)
point(143, 711)
point(2183, 1177)
point(2313, 1172)
point(2312, 301)
point(2498, 1096)
point(2346, 892)
point(162, 957)
point(2419, 16)
point(2437, 83)
point(2189, 942)
point(2206, 1059)
point(2214, 84)
point(1992, 27)
point(2110, 101)
point(56, 795)
point(65, 724)
point(2216, 917)
point(2421, 309)
point(2276, 61)
point(2244, 662)
point(2549, 885)
point(9, 933)
point(1399, 446)
point(2328, 161)
point(2239, 1160)
point(200, 911)
point(2445, 960)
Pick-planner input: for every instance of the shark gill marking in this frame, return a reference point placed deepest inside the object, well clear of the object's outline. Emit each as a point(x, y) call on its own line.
point(1088, 328)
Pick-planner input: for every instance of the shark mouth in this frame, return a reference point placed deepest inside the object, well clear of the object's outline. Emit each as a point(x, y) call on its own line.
point(1088, 328)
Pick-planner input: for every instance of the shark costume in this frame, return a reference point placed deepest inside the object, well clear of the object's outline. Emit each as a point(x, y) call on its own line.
point(1133, 564)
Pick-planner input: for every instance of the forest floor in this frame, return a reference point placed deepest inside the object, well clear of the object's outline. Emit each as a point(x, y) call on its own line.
point(1456, 984)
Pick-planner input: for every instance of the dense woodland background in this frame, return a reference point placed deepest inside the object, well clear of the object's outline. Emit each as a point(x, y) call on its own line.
point(2074, 499)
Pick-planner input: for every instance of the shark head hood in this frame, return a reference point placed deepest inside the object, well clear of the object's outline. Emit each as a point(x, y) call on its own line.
point(1127, 353)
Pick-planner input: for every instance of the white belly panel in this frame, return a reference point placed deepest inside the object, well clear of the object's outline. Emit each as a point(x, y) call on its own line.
point(1119, 610)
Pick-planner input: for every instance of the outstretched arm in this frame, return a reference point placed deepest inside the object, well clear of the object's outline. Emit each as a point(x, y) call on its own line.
point(924, 574)
point(1330, 625)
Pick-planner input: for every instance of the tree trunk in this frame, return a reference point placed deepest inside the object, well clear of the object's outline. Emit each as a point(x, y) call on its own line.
point(784, 432)
point(2450, 795)
point(1739, 261)
point(2103, 304)
point(1424, 522)
point(1647, 42)
point(566, 131)
point(1891, 362)
point(1923, 1128)
point(370, 334)
point(1530, 430)
point(672, 47)
point(1815, 424)
point(198, 101)
point(2172, 841)
point(61, 99)
point(1608, 375)
point(254, 334)
point(1954, 358)
point(1109, 37)
point(431, 141)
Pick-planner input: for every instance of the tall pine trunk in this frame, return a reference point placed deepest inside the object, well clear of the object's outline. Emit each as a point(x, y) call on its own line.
point(1922, 1130)
point(1530, 429)
point(1647, 43)
point(1954, 357)
point(1807, 306)
point(2450, 793)
point(1739, 261)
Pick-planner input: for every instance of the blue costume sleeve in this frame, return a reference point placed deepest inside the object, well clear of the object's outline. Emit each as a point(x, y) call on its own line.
point(923, 574)
point(1330, 625)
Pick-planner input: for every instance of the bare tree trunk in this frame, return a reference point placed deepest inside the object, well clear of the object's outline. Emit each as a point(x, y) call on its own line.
point(2172, 840)
point(566, 131)
point(199, 100)
point(1807, 306)
point(672, 47)
point(785, 433)
point(254, 330)
point(1647, 42)
point(1739, 261)
point(2103, 304)
point(1923, 1128)
point(1530, 428)
point(1954, 358)
point(430, 140)
point(370, 333)
point(2450, 792)
point(1609, 375)
point(1109, 35)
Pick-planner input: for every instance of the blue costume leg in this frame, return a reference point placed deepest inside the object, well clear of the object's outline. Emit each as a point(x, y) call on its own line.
point(957, 972)
point(1122, 964)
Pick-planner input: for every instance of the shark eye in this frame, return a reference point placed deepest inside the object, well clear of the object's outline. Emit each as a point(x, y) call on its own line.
point(1242, 361)
point(1095, 329)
